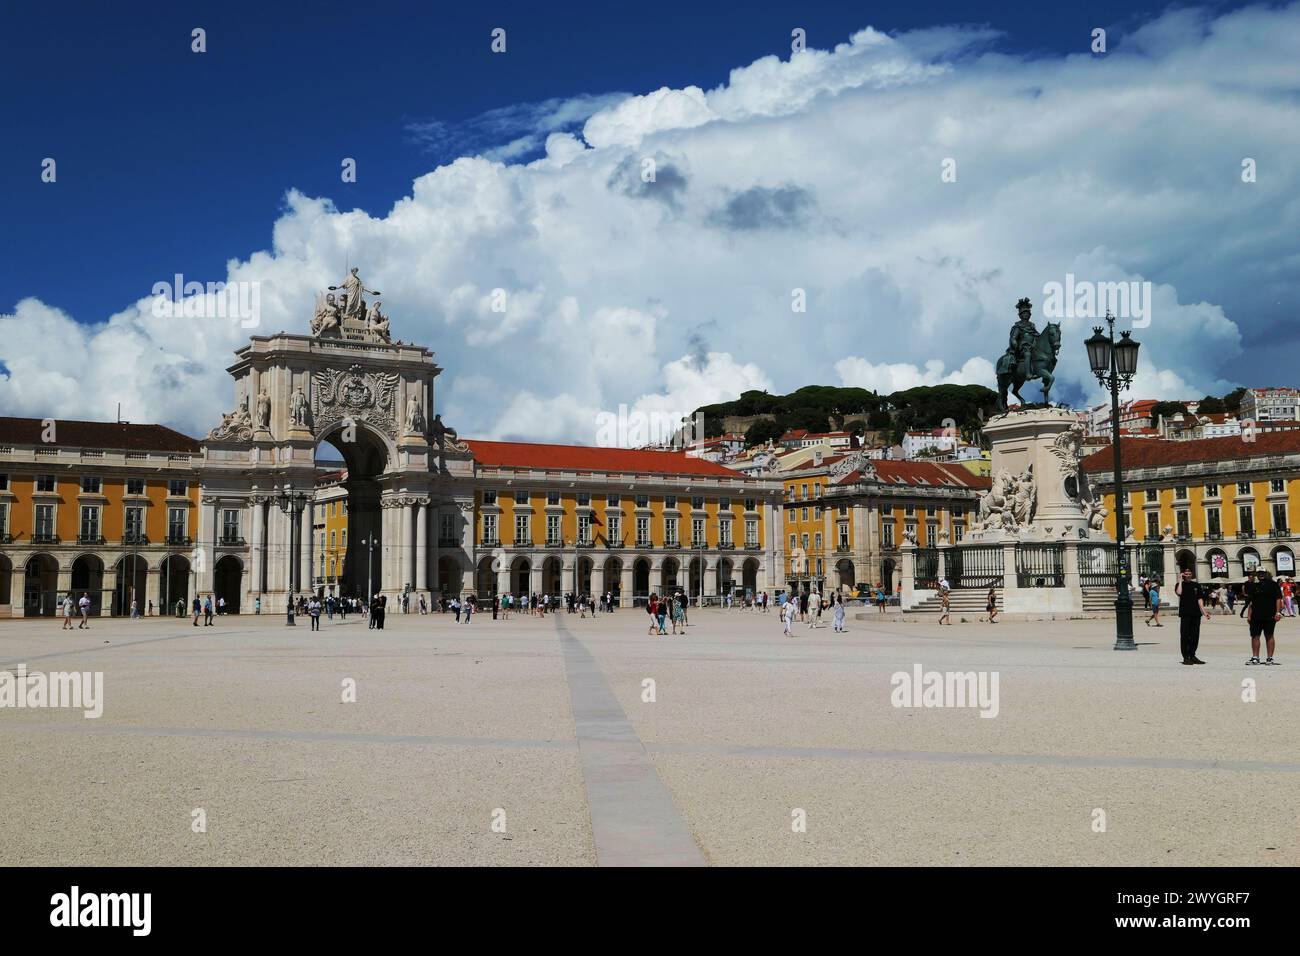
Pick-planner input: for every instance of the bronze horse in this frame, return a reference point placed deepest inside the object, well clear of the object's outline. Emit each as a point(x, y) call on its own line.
point(1041, 363)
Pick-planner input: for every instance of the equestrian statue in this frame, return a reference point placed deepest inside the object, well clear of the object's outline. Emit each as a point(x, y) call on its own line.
point(1030, 355)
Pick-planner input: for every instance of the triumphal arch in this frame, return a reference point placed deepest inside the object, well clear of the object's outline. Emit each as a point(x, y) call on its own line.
point(346, 383)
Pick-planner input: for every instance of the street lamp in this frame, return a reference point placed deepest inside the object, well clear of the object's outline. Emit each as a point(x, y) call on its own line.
point(370, 543)
point(292, 503)
point(1115, 364)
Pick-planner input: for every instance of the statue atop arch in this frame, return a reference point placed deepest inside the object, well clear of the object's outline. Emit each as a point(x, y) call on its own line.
point(350, 316)
point(353, 305)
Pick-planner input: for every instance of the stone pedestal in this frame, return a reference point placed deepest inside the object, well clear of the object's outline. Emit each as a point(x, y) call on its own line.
point(1043, 442)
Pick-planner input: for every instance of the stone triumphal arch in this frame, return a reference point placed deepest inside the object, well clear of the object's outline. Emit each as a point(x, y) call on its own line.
point(371, 398)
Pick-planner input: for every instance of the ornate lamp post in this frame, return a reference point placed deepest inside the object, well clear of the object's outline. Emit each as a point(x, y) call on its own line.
point(292, 503)
point(370, 542)
point(1115, 364)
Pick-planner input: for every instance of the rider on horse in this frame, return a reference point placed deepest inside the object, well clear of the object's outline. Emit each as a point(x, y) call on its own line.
point(1030, 355)
point(1023, 335)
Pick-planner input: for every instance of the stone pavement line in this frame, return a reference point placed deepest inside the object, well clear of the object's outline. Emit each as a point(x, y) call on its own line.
point(633, 819)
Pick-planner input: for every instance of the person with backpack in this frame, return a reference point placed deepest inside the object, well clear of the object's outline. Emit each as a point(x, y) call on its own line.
point(313, 610)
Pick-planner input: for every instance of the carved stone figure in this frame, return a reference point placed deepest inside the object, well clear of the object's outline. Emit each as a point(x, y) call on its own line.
point(235, 426)
point(1096, 513)
point(445, 437)
point(994, 502)
point(352, 288)
point(299, 410)
point(1024, 498)
point(377, 322)
point(414, 415)
point(263, 409)
point(327, 319)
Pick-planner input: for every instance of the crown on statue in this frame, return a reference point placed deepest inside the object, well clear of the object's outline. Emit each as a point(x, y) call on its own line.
point(1024, 304)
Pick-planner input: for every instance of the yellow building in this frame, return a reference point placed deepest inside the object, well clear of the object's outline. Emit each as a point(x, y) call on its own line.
point(555, 519)
point(846, 516)
point(1227, 503)
point(101, 508)
point(330, 526)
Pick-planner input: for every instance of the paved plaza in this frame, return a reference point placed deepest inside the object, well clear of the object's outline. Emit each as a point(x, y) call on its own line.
point(542, 727)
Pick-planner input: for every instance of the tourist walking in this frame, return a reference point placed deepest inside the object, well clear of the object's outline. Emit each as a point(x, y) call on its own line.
point(991, 606)
point(838, 619)
point(1265, 611)
point(1153, 602)
point(945, 602)
point(84, 606)
point(67, 611)
point(198, 609)
point(207, 611)
point(1191, 608)
point(787, 616)
point(650, 607)
point(814, 608)
point(313, 611)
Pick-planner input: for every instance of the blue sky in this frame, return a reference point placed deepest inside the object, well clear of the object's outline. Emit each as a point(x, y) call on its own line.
point(172, 162)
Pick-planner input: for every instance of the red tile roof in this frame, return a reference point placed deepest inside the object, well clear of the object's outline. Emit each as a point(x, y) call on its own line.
point(510, 454)
point(931, 474)
point(109, 436)
point(1157, 452)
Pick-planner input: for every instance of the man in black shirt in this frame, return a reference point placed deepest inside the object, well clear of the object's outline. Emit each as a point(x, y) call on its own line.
point(1191, 608)
point(1265, 612)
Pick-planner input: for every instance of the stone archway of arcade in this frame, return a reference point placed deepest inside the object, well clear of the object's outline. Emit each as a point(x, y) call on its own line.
point(150, 582)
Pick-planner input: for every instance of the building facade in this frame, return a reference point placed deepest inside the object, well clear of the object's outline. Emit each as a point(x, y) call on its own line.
point(847, 516)
point(554, 519)
point(1270, 404)
point(102, 508)
point(1227, 503)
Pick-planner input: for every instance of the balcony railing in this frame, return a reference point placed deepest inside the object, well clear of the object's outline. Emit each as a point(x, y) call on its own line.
point(179, 539)
point(231, 541)
point(726, 546)
point(672, 545)
point(554, 543)
point(137, 539)
point(490, 543)
point(91, 539)
point(645, 544)
point(753, 546)
point(1246, 534)
point(1280, 533)
point(1214, 536)
point(522, 543)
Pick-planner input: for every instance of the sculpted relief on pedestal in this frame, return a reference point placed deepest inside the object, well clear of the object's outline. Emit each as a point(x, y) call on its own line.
point(356, 395)
point(1009, 504)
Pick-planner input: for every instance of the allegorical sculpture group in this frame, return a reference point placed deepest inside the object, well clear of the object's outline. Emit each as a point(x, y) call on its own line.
point(331, 314)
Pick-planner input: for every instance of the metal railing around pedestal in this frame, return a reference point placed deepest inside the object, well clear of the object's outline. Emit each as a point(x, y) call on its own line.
point(977, 567)
point(1040, 565)
point(927, 568)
